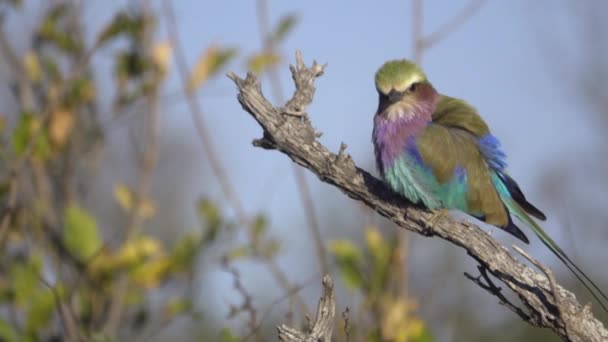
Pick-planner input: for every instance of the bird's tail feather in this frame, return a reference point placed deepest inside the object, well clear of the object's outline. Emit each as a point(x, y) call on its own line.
point(519, 212)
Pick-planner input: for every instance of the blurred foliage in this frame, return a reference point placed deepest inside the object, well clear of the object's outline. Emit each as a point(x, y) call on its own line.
point(388, 312)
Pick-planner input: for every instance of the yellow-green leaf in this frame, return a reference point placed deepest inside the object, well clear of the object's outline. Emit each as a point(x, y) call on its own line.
point(259, 226)
point(226, 335)
point(32, 66)
point(348, 258)
point(40, 311)
point(177, 306)
point(25, 279)
point(285, 26)
point(80, 235)
point(7, 332)
point(28, 128)
point(238, 253)
point(124, 196)
point(208, 65)
point(161, 54)
point(262, 61)
point(184, 251)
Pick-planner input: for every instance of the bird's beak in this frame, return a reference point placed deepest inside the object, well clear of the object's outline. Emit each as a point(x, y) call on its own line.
point(394, 96)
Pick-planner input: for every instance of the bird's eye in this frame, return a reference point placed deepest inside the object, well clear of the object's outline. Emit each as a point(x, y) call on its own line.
point(413, 87)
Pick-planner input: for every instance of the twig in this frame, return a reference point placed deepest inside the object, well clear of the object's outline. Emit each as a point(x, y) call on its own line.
point(216, 164)
point(346, 317)
point(197, 116)
point(553, 284)
point(453, 24)
point(323, 326)
point(292, 136)
point(247, 304)
point(303, 189)
point(148, 162)
point(497, 291)
point(424, 42)
point(278, 300)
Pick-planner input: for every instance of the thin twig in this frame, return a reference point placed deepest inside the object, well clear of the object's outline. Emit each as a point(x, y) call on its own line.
point(197, 117)
point(453, 24)
point(210, 150)
point(303, 189)
point(147, 165)
point(552, 283)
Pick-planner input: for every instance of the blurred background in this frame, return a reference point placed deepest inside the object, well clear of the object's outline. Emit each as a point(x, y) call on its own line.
point(134, 206)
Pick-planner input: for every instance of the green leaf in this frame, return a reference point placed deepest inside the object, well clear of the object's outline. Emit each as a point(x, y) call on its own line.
point(238, 253)
point(177, 306)
point(7, 332)
point(80, 235)
point(285, 26)
point(211, 215)
point(226, 335)
point(28, 128)
point(40, 311)
point(260, 62)
point(348, 258)
point(25, 279)
point(185, 251)
point(208, 65)
point(259, 226)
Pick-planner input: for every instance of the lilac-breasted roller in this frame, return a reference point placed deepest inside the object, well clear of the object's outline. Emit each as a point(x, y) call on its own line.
point(436, 150)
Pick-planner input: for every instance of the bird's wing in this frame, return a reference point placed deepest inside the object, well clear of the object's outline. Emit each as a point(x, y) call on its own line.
point(450, 147)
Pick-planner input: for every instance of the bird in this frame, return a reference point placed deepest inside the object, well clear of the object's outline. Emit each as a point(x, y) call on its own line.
point(437, 151)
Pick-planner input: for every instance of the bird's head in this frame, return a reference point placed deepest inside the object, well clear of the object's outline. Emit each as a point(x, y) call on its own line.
point(404, 89)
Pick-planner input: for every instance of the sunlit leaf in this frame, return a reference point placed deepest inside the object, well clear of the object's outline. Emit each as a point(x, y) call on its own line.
point(259, 226)
point(285, 26)
point(146, 208)
point(184, 251)
point(32, 66)
point(122, 24)
point(210, 213)
point(150, 274)
point(380, 253)
point(208, 65)
point(124, 196)
point(226, 335)
point(348, 258)
point(262, 61)
point(60, 127)
point(238, 253)
point(80, 235)
point(25, 278)
point(161, 54)
point(40, 311)
point(177, 306)
point(7, 332)
point(28, 131)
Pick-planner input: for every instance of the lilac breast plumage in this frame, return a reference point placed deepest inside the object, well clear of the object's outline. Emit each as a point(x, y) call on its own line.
point(392, 138)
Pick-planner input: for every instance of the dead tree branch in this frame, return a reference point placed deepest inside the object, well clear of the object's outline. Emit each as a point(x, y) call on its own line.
point(323, 327)
point(294, 136)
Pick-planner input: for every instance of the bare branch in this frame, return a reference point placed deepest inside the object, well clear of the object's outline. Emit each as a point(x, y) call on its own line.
point(322, 329)
point(452, 25)
point(295, 137)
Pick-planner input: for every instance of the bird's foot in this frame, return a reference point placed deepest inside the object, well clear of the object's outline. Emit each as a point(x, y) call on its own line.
point(438, 215)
